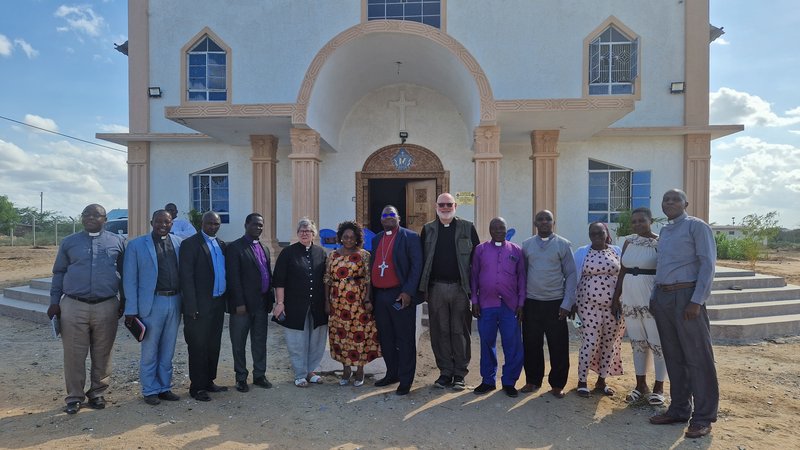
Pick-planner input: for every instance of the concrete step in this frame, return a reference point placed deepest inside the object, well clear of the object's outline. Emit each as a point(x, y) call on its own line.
point(26, 293)
point(41, 283)
point(755, 328)
point(748, 282)
point(752, 310)
point(729, 297)
point(725, 272)
point(20, 309)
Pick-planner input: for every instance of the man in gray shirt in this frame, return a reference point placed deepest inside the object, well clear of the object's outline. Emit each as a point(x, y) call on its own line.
point(86, 278)
point(684, 272)
point(550, 298)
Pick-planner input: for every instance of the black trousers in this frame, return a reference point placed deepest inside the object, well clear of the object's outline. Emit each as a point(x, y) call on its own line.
point(397, 335)
point(255, 324)
point(203, 336)
point(540, 320)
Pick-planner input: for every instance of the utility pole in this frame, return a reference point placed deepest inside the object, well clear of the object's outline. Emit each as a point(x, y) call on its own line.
point(41, 202)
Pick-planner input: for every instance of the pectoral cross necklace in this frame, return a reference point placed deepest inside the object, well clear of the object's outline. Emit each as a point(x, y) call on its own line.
point(384, 251)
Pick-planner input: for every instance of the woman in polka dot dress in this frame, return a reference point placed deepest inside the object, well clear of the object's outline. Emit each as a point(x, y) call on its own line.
point(598, 265)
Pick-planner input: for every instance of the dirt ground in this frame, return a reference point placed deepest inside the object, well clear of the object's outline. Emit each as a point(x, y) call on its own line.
point(759, 385)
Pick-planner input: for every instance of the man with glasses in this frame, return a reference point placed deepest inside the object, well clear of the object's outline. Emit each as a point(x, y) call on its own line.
point(448, 243)
point(396, 262)
point(83, 295)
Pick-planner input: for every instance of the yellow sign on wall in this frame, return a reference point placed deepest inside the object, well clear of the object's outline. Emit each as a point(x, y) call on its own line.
point(465, 198)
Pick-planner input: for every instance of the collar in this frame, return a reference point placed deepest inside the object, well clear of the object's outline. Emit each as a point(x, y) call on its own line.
point(207, 237)
point(678, 219)
point(392, 231)
point(94, 234)
point(157, 238)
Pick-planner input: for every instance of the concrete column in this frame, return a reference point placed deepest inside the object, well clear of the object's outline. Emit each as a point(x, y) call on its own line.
point(138, 189)
point(487, 177)
point(305, 175)
point(544, 145)
point(265, 160)
point(697, 173)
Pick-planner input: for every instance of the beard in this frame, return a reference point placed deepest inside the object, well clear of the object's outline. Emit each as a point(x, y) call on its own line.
point(445, 215)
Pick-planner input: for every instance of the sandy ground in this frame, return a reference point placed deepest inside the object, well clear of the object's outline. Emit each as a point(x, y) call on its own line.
point(759, 384)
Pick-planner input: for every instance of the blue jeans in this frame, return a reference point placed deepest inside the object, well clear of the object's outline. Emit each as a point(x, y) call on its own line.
point(158, 346)
point(505, 320)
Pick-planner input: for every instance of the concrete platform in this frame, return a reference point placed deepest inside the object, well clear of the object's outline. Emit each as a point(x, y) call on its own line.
point(742, 330)
point(752, 310)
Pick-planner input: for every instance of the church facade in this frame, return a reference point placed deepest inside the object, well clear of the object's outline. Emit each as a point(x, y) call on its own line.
point(332, 109)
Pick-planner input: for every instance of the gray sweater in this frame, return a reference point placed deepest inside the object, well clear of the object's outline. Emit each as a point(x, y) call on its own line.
point(551, 270)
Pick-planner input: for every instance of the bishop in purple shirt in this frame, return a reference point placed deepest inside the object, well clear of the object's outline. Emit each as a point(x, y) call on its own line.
point(498, 281)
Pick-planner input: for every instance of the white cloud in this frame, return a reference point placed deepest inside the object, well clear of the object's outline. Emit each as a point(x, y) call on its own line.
point(721, 41)
point(729, 106)
point(5, 46)
point(27, 48)
point(112, 128)
point(41, 122)
point(766, 178)
point(81, 18)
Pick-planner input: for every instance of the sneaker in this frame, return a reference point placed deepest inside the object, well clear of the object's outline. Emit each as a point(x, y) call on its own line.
point(443, 382)
point(458, 383)
point(484, 388)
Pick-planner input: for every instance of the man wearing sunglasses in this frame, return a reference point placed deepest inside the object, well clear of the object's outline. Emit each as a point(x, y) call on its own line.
point(448, 243)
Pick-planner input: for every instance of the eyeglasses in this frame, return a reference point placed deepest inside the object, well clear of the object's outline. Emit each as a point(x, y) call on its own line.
point(389, 214)
point(305, 232)
point(445, 205)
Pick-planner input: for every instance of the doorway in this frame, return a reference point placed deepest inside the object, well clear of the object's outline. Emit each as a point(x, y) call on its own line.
point(414, 200)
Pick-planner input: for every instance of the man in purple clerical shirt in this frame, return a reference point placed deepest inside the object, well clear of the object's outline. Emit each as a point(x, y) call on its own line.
point(498, 281)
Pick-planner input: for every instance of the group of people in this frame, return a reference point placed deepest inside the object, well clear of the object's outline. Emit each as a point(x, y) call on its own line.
point(363, 304)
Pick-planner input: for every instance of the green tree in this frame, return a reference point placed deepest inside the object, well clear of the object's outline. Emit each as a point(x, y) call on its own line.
point(758, 231)
point(8, 215)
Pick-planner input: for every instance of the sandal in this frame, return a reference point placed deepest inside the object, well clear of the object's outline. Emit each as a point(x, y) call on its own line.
point(314, 378)
point(584, 392)
point(301, 382)
point(634, 396)
point(346, 374)
point(605, 390)
point(655, 399)
point(358, 383)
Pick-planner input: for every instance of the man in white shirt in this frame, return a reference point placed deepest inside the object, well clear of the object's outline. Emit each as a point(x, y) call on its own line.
point(180, 227)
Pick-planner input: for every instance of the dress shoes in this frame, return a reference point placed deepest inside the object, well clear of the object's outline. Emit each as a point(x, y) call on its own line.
point(152, 399)
point(168, 396)
point(262, 382)
point(557, 392)
point(529, 387)
point(484, 388)
point(200, 396)
point(666, 419)
point(403, 389)
point(97, 403)
point(241, 386)
point(511, 391)
point(386, 381)
point(72, 407)
point(443, 381)
point(216, 388)
point(697, 431)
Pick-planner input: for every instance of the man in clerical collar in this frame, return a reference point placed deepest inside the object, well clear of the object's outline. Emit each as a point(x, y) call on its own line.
point(152, 290)
point(396, 263)
point(550, 297)
point(83, 296)
point(687, 255)
point(448, 242)
point(202, 280)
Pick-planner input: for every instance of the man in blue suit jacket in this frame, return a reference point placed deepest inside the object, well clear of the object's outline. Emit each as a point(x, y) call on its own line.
point(151, 286)
point(396, 265)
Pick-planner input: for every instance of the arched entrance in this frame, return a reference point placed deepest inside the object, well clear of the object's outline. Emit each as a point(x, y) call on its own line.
point(405, 175)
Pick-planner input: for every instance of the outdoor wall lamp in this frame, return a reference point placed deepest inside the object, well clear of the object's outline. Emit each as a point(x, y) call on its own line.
point(677, 87)
point(154, 92)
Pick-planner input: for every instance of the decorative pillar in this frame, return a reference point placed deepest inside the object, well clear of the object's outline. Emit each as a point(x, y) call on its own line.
point(544, 145)
point(697, 173)
point(265, 160)
point(487, 177)
point(138, 189)
point(305, 175)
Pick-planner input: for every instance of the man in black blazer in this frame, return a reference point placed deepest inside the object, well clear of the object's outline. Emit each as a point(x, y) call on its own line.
point(250, 299)
point(202, 282)
point(396, 265)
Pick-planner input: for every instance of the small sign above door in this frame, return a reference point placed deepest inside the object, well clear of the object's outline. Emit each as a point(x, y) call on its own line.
point(403, 160)
point(465, 198)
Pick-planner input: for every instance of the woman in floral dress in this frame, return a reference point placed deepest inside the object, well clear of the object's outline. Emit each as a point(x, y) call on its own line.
point(598, 265)
point(353, 336)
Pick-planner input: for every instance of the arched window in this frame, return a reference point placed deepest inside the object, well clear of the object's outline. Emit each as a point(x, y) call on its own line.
point(613, 63)
point(207, 72)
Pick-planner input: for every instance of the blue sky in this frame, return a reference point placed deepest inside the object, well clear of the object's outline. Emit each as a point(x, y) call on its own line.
point(60, 71)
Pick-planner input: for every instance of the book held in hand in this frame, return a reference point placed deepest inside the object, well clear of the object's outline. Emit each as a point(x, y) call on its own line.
point(137, 328)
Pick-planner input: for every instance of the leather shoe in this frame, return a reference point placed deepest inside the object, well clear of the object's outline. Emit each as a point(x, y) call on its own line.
point(97, 403)
point(200, 396)
point(72, 407)
point(168, 396)
point(241, 386)
point(665, 419)
point(557, 393)
point(484, 388)
point(403, 389)
point(697, 431)
point(216, 388)
point(385, 381)
point(263, 382)
point(152, 399)
point(511, 391)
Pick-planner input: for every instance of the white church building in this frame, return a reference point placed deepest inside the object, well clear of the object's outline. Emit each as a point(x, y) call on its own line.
point(332, 109)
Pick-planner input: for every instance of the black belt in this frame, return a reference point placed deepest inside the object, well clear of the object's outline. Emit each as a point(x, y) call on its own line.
point(166, 293)
point(446, 281)
point(676, 286)
point(637, 271)
point(91, 301)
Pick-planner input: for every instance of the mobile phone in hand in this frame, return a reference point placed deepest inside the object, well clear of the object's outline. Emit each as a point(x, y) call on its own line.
point(398, 304)
point(282, 317)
